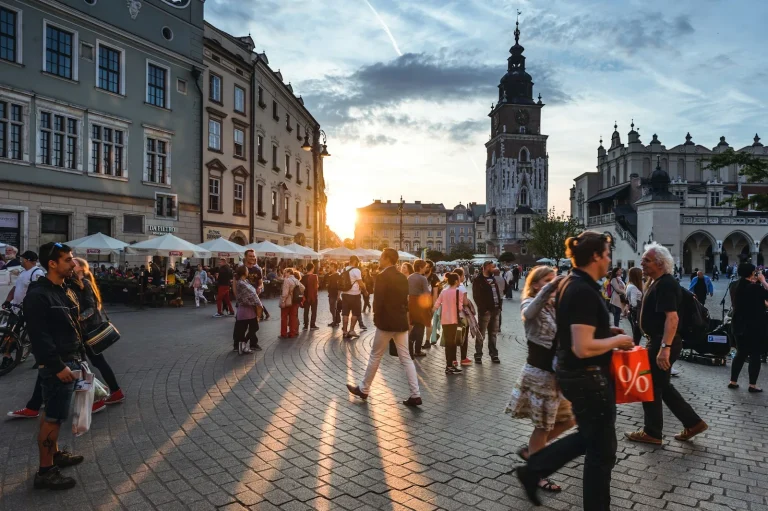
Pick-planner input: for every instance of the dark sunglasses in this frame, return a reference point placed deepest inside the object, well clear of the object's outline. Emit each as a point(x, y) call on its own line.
point(53, 248)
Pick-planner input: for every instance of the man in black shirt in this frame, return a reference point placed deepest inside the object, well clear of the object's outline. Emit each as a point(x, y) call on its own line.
point(334, 299)
point(749, 321)
point(488, 296)
point(659, 322)
point(586, 340)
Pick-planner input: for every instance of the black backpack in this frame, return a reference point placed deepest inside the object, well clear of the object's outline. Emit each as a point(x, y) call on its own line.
point(346, 281)
point(297, 296)
point(694, 317)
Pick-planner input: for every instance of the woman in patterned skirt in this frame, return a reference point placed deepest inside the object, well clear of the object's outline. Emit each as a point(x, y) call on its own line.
point(536, 394)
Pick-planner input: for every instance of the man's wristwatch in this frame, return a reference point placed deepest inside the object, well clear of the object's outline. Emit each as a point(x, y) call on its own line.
point(665, 345)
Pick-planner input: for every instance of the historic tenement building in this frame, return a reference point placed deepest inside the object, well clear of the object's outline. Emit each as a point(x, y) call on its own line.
point(423, 226)
point(516, 177)
point(460, 227)
point(100, 119)
point(649, 192)
point(478, 212)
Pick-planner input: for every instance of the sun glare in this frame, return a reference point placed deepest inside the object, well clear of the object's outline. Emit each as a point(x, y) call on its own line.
point(341, 217)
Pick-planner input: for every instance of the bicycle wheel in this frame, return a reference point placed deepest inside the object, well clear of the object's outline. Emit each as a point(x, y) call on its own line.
point(10, 346)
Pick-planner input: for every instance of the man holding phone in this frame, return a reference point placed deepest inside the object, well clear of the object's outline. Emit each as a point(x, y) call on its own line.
point(52, 311)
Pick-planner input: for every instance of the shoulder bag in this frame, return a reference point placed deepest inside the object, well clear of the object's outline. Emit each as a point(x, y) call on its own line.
point(102, 337)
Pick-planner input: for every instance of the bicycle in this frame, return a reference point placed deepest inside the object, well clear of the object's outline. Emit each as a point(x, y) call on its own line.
point(14, 340)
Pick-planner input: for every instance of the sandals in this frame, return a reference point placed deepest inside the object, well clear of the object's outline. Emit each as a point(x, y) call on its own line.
point(548, 485)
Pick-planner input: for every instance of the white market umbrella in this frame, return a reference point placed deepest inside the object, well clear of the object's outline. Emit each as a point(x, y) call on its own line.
point(338, 253)
point(405, 256)
point(97, 244)
point(365, 254)
point(168, 245)
point(545, 260)
point(221, 247)
point(375, 253)
point(302, 251)
point(269, 249)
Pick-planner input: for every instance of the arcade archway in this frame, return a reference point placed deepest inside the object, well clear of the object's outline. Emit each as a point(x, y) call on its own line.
point(736, 248)
point(698, 252)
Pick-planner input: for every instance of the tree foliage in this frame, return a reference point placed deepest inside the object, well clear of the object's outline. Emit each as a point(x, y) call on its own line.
point(349, 243)
point(548, 234)
point(507, 257)
point(753, 167)
point(435, 255)
point(461, 251)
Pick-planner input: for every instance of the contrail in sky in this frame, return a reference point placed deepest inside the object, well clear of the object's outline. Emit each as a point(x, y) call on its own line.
point(386, 28)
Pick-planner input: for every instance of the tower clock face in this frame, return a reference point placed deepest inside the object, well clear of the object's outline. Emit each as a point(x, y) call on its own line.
point(522, 117)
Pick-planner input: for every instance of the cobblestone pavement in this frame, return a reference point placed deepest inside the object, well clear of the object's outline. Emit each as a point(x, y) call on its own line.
point(204, 428)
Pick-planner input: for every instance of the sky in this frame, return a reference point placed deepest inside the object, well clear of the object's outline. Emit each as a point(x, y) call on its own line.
point(403, 87)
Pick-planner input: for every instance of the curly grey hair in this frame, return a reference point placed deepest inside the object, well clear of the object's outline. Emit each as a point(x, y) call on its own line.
point(662, 255)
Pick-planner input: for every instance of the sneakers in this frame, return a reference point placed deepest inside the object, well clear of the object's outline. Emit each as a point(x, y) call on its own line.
point(24, 413)
point(314, 327)
point(53, 480)
point(495, 360)
point(688, 433)
point(256, 348)
point(641, 437)
point(673, 371)
point(466, 362)
point(243, 348)
point(217, 315)
point(115, 397)
point(99, 406)
point(452, 370)
point(478, 360)
point(64, 459)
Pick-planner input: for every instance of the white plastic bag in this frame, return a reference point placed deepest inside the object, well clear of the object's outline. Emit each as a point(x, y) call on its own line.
point(102, 392)
point(81, 418)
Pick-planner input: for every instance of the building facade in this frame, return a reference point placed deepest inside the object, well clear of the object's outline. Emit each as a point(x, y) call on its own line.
point(378, 225)
point(227, 158)
point(460, 227)
point(517, 170)
point(100, 119)
point(478, 212)
point(289, 187)
point(649, 192)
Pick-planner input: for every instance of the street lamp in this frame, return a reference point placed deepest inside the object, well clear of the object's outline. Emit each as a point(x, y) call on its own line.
point(317, 155)
point(400, 212)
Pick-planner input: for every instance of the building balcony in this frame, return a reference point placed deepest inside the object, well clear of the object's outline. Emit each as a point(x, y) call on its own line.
point(606, 219)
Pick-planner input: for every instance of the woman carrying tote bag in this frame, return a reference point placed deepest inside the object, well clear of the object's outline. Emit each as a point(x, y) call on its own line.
point(452, 300)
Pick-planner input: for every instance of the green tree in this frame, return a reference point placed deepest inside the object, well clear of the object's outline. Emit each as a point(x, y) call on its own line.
point(507, 257)
point(549, 232)
point(349, 243)
point(435, 255)
point(382, 246)
point(461, 251)
point(753, 167)
point(480, 248)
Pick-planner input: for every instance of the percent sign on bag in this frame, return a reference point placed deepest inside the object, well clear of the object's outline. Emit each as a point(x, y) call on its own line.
point(632, 376)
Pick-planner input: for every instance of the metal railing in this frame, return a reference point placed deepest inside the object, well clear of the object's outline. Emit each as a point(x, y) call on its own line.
point(608, 218)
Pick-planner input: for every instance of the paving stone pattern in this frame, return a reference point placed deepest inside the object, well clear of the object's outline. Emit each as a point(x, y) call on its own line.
point(204, 428)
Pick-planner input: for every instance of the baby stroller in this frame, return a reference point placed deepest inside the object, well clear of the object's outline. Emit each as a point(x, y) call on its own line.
point(711, 348)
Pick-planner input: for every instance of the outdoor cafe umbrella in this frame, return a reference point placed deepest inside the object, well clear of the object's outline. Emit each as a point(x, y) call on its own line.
point(338, 253)
point(405, 256)
point(221, 247)
point(269, 249)
point(545, 260)
point(302, 252)
point(97, 244)
point(168, 245)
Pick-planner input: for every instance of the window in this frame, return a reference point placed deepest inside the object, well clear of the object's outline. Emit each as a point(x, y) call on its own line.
point(288, 166)
point(714, 199)
point(239, 206)
point(274, 111)
point(461, 239)
point(165, 205)
point(239, 142)
point(214, 87)
point(11, 127)
point(298, 172)
point(461, 230)
point(214, 194)
point(274, 159)
point(96, 225)
point(260, 148)
point(157, 84)
point(53, 227)
point(58, 140)
point(523, 197)
point(260, 199)
point(274, 205)
point(109, 73)
point(680, 195)
point(286, 210)
point(460, 216)
point(453, 240)
point(453, 231)
point(288, 126)
point(261, 98)
point(10, 42)
point(526, 225)
point(214, 134)
point(239, 99)
point(181, 86)
point(307, 217)
point(297, 214)
point(309, 181)
point(107, 150)
point(167, 34)
point(157, 169)
point(133, 224)
point(59, 46)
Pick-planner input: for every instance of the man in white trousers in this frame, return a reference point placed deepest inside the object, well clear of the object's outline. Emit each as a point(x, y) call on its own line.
point(390, 315)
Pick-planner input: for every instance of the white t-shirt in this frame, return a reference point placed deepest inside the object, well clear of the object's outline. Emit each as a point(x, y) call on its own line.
point(354, 276)
point(22, 283)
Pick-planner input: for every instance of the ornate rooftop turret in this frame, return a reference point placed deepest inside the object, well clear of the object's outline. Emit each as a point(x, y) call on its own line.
point(516, 86)
point(757, 141)
point(688, 139)
point(615, 138)
point(655, 140)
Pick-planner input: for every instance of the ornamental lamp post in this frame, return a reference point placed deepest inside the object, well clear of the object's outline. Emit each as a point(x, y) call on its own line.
point(319, 151)
point(400, 212)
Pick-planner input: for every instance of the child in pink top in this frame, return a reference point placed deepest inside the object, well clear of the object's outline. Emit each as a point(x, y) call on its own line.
point(452, 301)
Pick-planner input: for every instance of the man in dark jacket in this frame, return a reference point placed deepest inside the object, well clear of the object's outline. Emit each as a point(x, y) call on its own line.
point(311, 284)
point(488, 297)
point(334, 298)
point(52, 314)
point(390, 315)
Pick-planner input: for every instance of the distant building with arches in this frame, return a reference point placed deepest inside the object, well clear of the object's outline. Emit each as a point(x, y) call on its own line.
point(648, 192)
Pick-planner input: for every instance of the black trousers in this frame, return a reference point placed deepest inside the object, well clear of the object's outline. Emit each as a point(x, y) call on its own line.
point(593, 402)
point(415, 337)
point(307, 307)
point(747, 346)
point(245, 330)
point(449, 334)
point(664, 392)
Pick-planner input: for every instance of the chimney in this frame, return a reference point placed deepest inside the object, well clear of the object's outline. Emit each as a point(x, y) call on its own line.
point(417, 202)
point(377, 201)
point(389, 202)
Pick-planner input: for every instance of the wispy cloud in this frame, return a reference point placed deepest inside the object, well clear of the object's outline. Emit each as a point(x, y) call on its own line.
point(385, 27)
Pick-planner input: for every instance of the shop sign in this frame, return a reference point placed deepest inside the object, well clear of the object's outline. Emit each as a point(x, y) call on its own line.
point(9, 220)
point(161, 229)
point(213, 234)
point(172, 253)
point(93, 251)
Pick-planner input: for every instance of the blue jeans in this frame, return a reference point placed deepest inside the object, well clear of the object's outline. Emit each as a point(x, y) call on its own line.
point(57, 395)
point(592, 398)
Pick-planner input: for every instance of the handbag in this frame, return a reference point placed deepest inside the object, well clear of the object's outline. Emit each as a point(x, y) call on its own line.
point(632, 378)
point(622, 296)
point(102, 337)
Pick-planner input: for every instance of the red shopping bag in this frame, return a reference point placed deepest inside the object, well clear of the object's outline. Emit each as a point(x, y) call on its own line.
point(632, 375)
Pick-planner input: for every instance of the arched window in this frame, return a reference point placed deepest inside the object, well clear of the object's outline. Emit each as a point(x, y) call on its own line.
point(524, 155)
point(522, 129)
point(524, 197)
